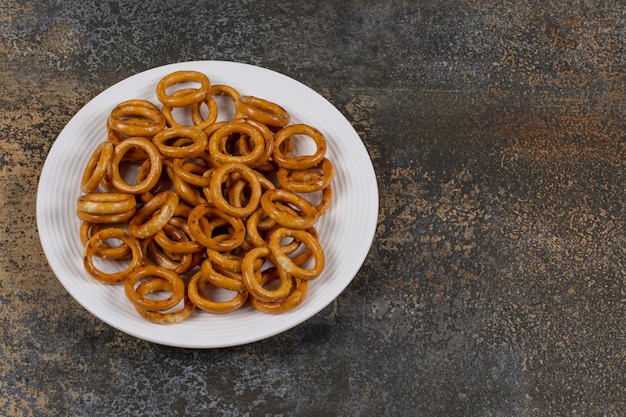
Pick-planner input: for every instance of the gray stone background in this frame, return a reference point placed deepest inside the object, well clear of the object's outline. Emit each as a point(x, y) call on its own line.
point(496, 283)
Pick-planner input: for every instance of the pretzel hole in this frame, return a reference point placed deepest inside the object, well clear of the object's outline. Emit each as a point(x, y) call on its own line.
point(303, 145)
point(218, 294)
point(183, 85)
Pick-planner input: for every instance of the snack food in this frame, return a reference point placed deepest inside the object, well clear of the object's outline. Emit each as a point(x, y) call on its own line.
point(205, 202)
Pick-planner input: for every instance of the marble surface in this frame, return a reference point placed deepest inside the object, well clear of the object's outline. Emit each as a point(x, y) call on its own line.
point(496, 283)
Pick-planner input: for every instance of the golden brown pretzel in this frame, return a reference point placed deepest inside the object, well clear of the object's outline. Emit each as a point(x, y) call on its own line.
point(181, 149)
point(299, 162)
point(226, 279)
point(238, 191)
point(294, 299)
point(136, 119)
point(197, 294)
point(195, 95)
point(264, 162)
point(306, 180)
point(220, 175)
point(259, 235)
point(174, 237)
point(106, 203)
point(221, 245)
point(188, 193)
point(192, 171)
point(158, 285)
point(156, 166)
point(196, 113)
point(150, 272)
point(107, 207)
point(103, 250)
point(94, 243)
point(263, 111)
point(153, 215)
point(196, 116)
point(96, 167)
point(179, 263)
point(219, 138)
point(252, 277)
point(288, 264)
point(306, 217)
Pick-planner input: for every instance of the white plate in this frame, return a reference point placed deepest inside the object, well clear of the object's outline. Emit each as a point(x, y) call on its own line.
point(346, 231)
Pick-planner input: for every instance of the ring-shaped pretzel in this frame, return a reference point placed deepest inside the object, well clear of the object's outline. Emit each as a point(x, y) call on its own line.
point(263, 163)
point(188, 193)
point(251, 277)
point(106, 218)
point(195, 95)
point(228, 261)
point(327, 192)
point(116, 137)
point(219, 138)
point(175, 238)
point(150, 271)
point(306, 180)
point(221, 245)
point(229, 280)
point(197, 293)
point(297, 296)
point(254, 228)
point(95, 243)
point(199, 142)
point(196, 116)
point(153, 215)
point(106, 203)
point(298, 257)
point(288, 264)
point(237, 195)
point(158, 285)
point(193, 172)
point(96, 167)
point(179, 263)
point(284, 217)
point(304, 176)
point(136, 155)
point(263, 111)
point(304, 161)
point(154, 174)
point(126, 119)
point(219, 177)
point(103, 250)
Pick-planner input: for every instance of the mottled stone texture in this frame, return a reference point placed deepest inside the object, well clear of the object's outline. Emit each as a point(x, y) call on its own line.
point(496, 284)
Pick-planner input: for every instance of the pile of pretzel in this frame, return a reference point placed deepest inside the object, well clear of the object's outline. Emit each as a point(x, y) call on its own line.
point(208, 205)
